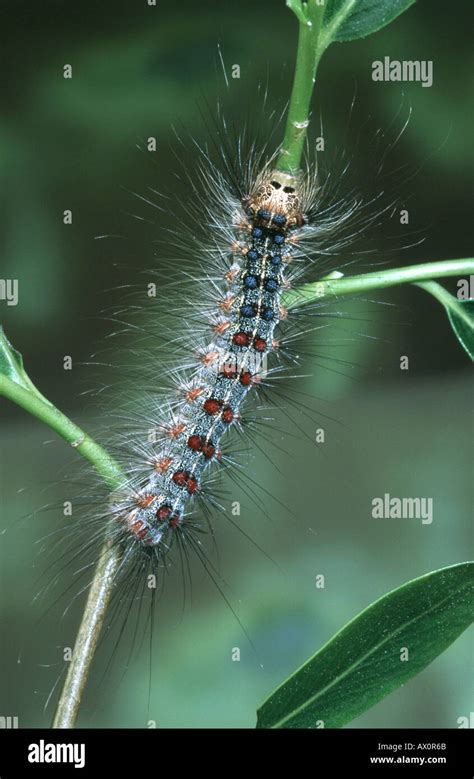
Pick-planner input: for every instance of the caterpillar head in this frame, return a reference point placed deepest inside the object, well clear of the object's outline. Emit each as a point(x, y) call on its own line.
point(276, 199)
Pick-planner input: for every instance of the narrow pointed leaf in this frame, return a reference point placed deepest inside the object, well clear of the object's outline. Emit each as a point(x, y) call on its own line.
point(464, 327)
point(11, 363)
point(460, 313)
point(379, 650)
point(351, 19)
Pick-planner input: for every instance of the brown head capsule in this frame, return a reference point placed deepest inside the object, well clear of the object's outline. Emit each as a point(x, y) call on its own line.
point(276, 201)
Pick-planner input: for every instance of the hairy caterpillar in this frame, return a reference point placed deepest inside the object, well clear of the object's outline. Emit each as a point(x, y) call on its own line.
point(255, 233)
point(265, 227)
point(258, 231)
point(247, 235)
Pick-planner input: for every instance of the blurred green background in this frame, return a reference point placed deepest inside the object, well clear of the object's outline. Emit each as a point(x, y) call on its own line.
point(139, 71)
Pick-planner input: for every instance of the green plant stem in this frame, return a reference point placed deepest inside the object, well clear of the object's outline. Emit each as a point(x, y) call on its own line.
point(103, 580)
point(334, 288)
point(87, 638)
point(310, 17)
point(33, 402)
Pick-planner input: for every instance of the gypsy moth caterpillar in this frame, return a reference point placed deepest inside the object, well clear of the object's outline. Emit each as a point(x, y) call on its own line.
point(251, 234)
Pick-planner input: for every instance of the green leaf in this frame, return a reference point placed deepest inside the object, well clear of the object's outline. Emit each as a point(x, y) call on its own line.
point(460, 313)
point(362, 662)
point(11, 363)
point(464, 326)
point(346, 20)
point(11, 366)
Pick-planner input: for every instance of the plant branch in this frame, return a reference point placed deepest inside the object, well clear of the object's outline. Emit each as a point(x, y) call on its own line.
point(87, 638)
point(310, 17)
point(33, 402)
point(334, 288)
point(28, 397)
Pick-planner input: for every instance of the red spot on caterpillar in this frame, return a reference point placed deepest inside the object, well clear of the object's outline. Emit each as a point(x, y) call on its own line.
point(163, 464)
point(191, 485)
point(139, 529)
point(246, 378)
point(200, 444)
point(174, 520)
point(241, 339)
point(163, 513)
point(260, 344)
point(184, 479)
point(229, 372)
point(212, 406)
point(179, 478)
point(227, 415)
point(208, 451)
point(194, 442)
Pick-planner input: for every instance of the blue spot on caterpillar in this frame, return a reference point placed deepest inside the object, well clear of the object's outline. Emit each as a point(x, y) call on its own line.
point(251, 282)
point(268, 314)
point(271, 284)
